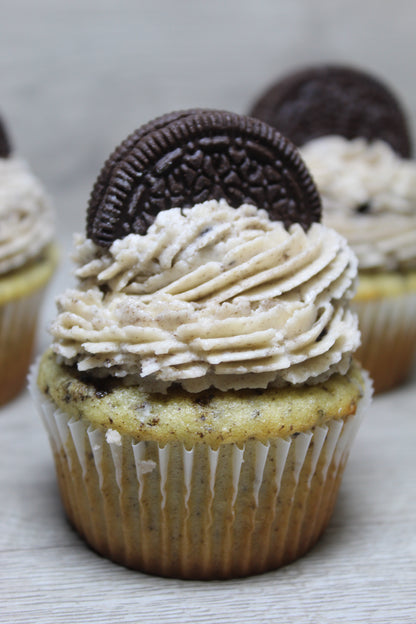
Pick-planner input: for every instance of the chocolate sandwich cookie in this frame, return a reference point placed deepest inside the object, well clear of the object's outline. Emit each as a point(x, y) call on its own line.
point(122, 150)
point(332, 99)
point(188, 157)
point(5, 147)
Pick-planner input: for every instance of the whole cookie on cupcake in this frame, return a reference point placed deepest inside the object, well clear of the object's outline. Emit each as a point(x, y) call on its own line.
point(200, 393)
point(27, 261)
point(355, 140)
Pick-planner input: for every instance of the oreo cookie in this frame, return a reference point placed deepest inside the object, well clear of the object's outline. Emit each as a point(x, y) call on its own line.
point(187, 157)
point(5, 147)
point(333, 99)
point(99, 188)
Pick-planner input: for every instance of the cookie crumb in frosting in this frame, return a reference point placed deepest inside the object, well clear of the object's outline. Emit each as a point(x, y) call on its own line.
point(113, 437)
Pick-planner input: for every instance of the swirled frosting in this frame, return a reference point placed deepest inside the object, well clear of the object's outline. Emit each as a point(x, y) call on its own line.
point(211, 296)
point(26, 218)
point(369, 196)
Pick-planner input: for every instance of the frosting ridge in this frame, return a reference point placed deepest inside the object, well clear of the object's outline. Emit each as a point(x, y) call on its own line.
point(211, 295)
point(26, 217)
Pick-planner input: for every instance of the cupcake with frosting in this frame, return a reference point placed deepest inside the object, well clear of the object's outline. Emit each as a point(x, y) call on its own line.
point(354, 138)
point(27, 261)
point(369, 194)
point(200, 392)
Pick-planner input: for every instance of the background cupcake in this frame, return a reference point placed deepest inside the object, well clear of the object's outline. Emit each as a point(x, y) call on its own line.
point(355, 140)
point(27, 261)
point(200, 394)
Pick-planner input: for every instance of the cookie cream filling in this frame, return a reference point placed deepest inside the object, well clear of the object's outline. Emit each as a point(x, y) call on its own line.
point(26, 218)
point(211, 296)
point(369, 196)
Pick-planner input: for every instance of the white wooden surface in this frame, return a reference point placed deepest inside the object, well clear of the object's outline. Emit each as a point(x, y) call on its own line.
point(75, 78)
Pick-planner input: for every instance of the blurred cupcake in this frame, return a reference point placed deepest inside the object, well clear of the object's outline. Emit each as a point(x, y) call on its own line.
point(355, 140)
point(369, 195)
point(27, 261)
point(200, 394)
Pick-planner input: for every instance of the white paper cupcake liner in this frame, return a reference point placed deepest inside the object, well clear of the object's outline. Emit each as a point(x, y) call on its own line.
point(388, 338)
point(18, 321)
point(198, 512)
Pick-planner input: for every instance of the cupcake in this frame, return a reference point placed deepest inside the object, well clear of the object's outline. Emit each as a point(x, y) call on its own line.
point(27, 261)
point(354, 138)
point(200, 393)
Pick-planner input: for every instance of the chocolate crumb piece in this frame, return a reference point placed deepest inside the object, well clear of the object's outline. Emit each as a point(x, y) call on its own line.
point(204, 399)
point(101, 387)
point(204, 232)
point(153, 422)
point(5, 146)
point(364, 208)
point(186, 158)
point(322, 334)
point(334, 99)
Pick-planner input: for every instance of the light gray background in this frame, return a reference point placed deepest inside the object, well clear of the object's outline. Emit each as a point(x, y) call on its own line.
point(76, 77)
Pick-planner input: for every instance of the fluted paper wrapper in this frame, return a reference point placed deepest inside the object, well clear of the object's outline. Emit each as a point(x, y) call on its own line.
point(18, 321)
point(198, 512)
point(388, 338)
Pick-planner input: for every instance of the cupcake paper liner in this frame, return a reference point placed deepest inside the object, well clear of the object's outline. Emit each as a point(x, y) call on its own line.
point(199, 512)
point(388, 338)
point(18, 321)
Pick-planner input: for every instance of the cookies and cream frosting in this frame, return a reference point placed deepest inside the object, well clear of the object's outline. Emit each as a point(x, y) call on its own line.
point(369, 196)
point(26, 218)
point(211, 296)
